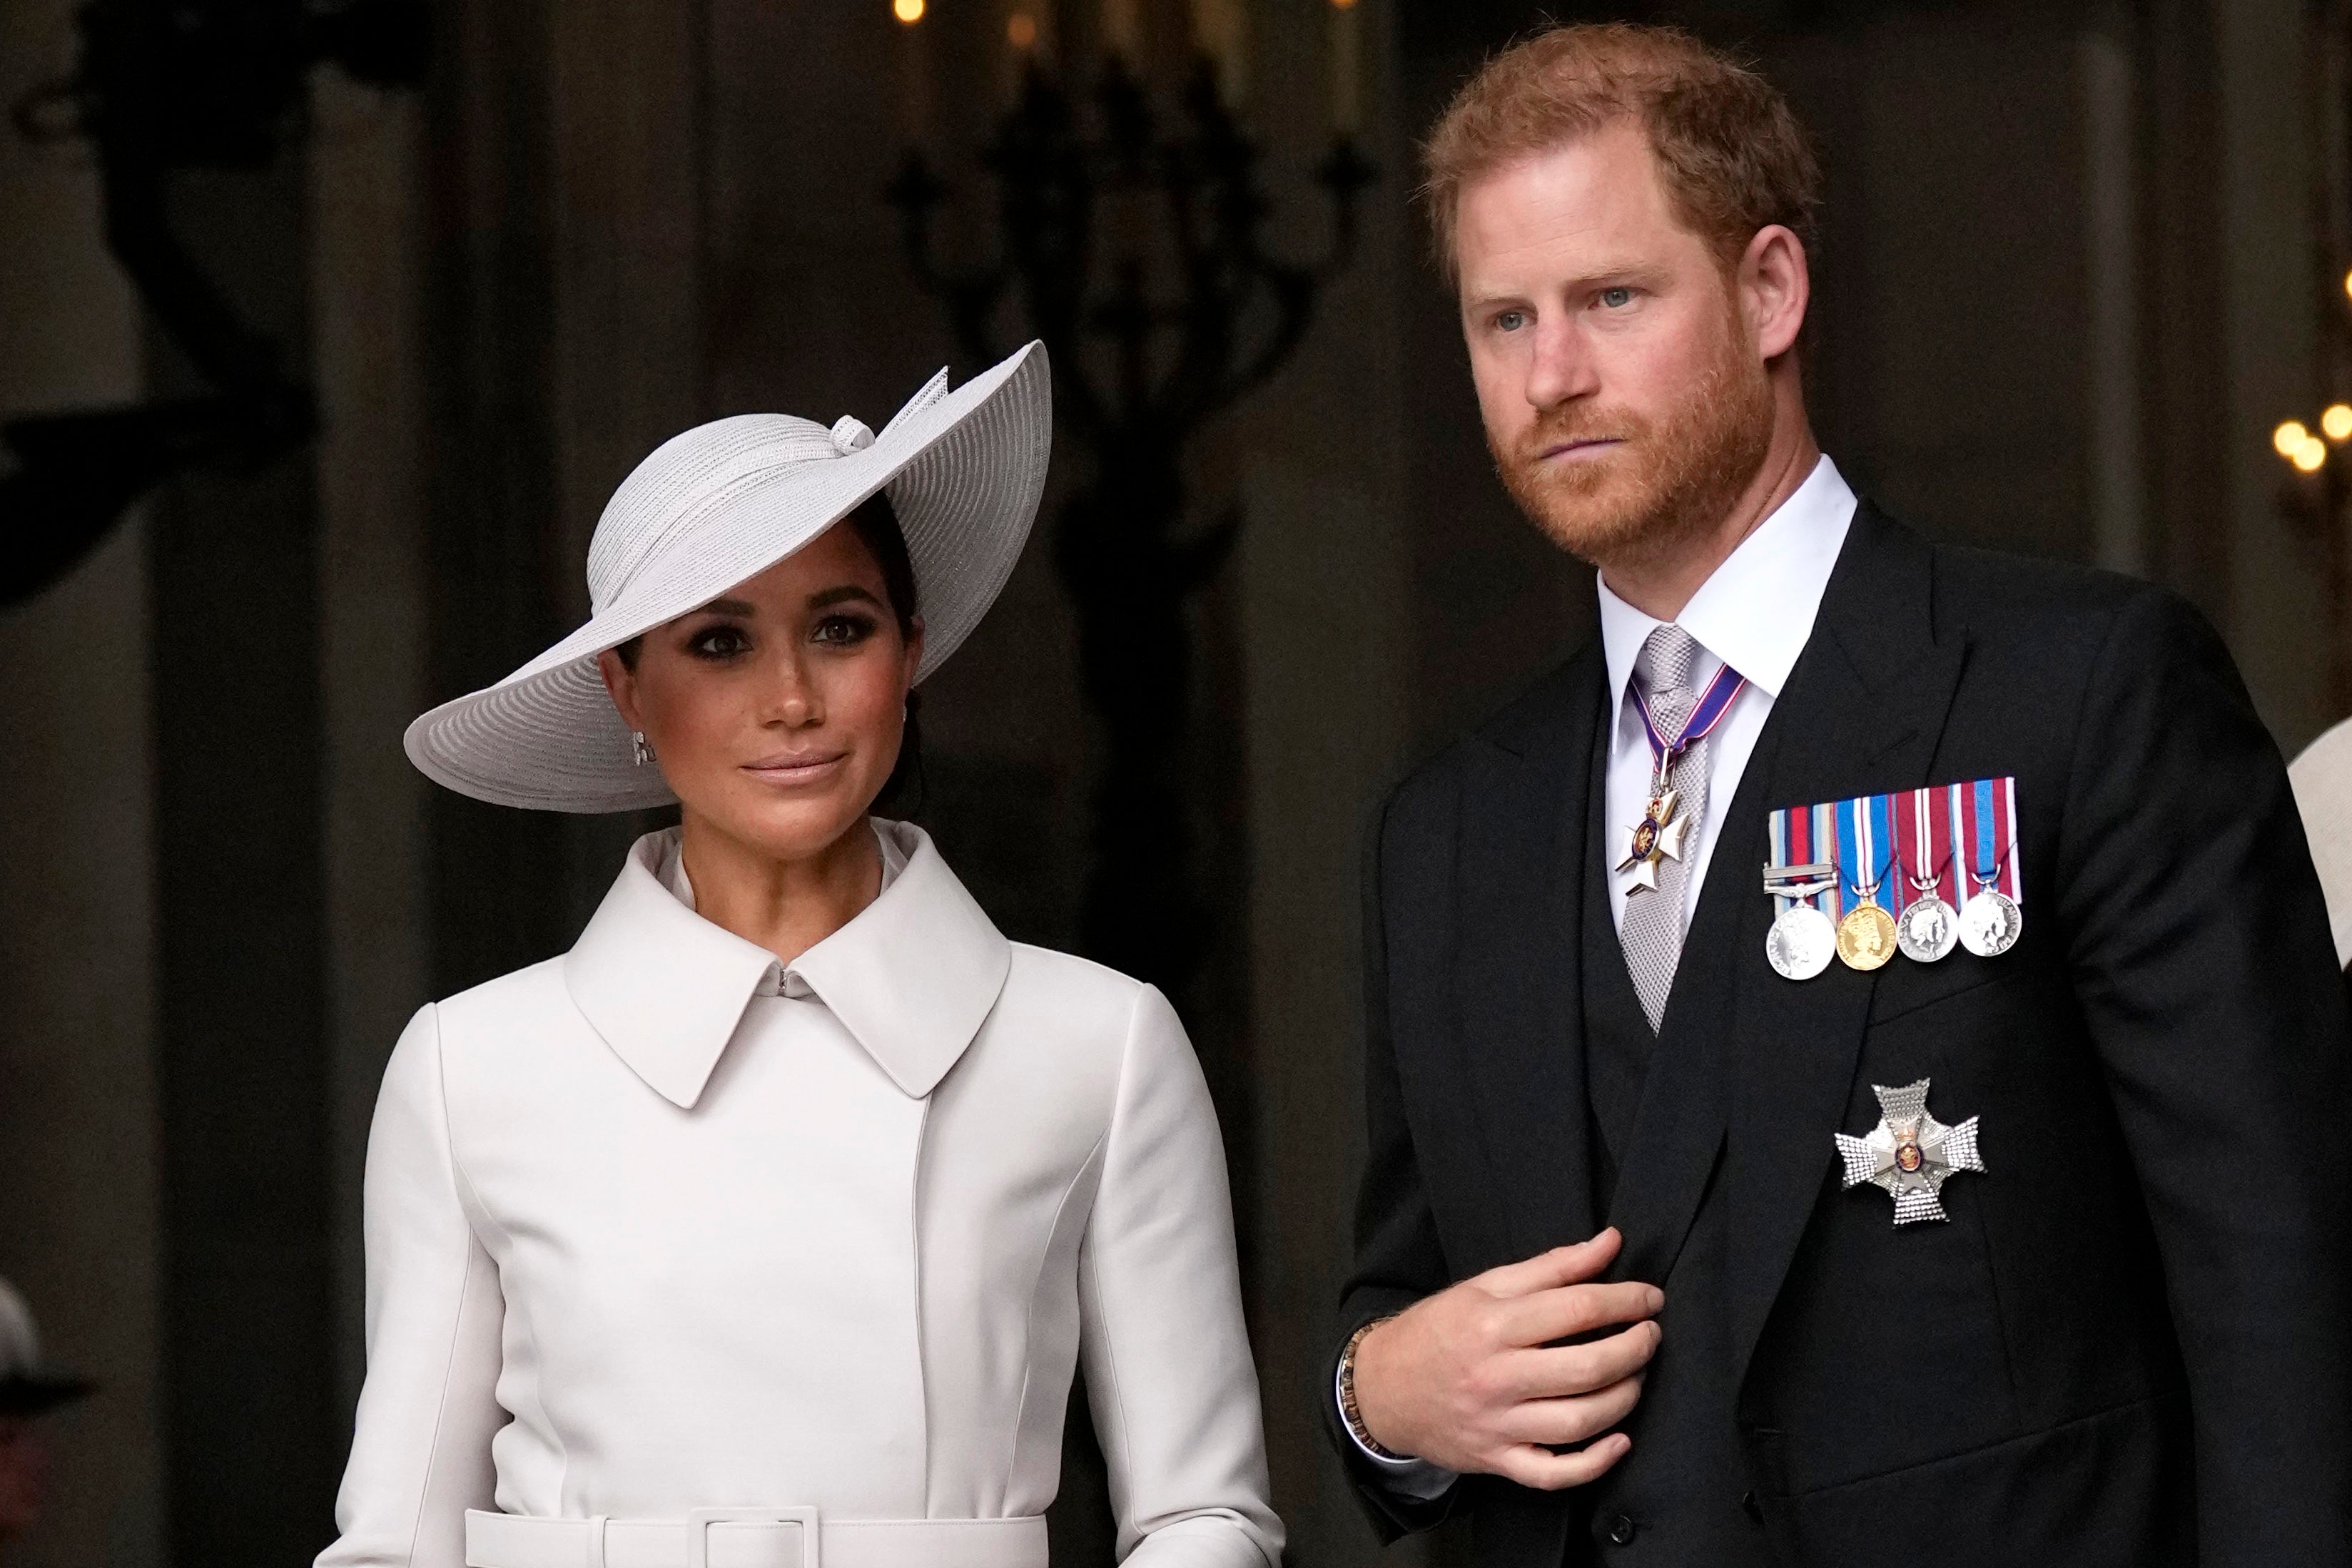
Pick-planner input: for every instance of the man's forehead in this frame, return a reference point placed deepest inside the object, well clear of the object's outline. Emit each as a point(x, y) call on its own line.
point(1597, 199)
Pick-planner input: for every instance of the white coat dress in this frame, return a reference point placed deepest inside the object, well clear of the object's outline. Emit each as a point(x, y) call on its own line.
point(663, 1226)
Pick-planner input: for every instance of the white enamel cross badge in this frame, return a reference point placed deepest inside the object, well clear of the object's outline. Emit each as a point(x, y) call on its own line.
point(1658, 836)
point(1909, 1152)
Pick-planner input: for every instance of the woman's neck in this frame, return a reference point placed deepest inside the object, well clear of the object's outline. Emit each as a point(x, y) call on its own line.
point(787, 906)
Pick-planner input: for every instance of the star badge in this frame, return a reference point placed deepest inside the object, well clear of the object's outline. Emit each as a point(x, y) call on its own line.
point(1909, 1152)
point(1658, 836)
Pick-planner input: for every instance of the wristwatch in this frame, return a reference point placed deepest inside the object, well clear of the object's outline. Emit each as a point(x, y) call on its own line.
point(1347, 1392)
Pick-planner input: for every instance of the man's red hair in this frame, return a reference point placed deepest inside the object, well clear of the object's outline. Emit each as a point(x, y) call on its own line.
point(1729, 149)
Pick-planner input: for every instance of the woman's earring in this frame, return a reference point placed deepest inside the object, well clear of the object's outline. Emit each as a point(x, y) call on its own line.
point(643, 750)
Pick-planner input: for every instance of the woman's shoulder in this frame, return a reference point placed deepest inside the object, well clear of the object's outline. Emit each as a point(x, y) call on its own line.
point(526, 999)
point(1083, 998)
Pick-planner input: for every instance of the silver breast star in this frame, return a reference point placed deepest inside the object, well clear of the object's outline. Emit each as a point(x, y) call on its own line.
point(1909, 1152)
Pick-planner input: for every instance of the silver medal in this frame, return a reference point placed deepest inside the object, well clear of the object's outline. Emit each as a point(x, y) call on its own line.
point(1910, 1154)
point(1800, 943)
point(1928, 929)
point(1991, 922)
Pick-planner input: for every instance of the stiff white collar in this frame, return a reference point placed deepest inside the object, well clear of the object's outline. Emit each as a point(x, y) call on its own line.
point(912, 976)
point(1757, 609)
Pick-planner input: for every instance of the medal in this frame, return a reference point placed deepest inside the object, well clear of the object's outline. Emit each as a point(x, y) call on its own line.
point(1991, 921)
point(1801, 938)
point(1658, 836)
point(1865, 937)
point(1929, 928)
point(1910, 1154)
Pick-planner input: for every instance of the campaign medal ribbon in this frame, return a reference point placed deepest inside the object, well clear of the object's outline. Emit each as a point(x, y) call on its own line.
point(1929, 927)
point(1659, 835)
point(1984, 819)
point(1865, 937)
point(1801, 938)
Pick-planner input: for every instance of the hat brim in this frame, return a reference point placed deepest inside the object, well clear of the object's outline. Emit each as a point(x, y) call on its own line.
point(964, 474)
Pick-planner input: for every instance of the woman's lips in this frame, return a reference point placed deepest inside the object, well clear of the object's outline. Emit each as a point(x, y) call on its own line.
point(796, 767)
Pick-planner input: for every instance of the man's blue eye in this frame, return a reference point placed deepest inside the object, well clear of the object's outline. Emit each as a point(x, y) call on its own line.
point(1616, 299)
point(1511, 320)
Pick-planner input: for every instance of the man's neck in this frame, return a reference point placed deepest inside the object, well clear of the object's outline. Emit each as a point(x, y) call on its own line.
point(1659, 585)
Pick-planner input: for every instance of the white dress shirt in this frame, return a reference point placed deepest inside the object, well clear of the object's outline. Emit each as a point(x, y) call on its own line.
point(1755, 613)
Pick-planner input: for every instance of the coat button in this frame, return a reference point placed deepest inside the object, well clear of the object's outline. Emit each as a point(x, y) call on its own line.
point(1621, 1530)
point(1749, 1506)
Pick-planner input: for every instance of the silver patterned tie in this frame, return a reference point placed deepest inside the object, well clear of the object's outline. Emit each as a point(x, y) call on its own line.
point(1652, 930)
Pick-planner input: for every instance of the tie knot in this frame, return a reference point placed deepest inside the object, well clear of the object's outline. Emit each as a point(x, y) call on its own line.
point(1665, 664)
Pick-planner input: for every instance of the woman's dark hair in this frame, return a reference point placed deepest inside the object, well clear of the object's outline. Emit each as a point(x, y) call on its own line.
point(875, 524)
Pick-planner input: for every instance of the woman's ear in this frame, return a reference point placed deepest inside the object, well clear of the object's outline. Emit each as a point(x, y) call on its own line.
point(621, 685)
point(914, 653)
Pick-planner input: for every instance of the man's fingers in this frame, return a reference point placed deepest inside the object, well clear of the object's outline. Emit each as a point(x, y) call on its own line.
point(1567, 1310)
point(1548, 1270)
point(1562, 1422)
point(1569, 1370)
point(1546, 1472)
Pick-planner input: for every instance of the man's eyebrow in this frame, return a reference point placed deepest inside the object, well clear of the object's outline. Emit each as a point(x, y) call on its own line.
point(843, 595)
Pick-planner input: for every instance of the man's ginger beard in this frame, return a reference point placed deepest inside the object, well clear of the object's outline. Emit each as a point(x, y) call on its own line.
point(1670, 481)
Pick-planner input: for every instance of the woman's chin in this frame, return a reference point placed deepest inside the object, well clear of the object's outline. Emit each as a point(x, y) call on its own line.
point(797, 826)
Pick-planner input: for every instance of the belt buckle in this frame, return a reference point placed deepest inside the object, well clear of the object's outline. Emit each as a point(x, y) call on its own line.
point(699, 1520)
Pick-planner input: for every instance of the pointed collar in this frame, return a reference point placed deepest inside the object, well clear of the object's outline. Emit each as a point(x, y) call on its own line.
point(912, 976)
point(1757, 609)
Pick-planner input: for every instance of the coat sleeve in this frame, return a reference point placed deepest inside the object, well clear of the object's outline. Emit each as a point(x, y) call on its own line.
point(1169, 1376)
point(420, 1450)
point(2198, 945)
point(1398, 1257)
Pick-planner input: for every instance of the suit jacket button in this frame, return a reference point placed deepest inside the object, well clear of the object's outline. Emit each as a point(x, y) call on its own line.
point(1749, 1506)
point(1621, 1530)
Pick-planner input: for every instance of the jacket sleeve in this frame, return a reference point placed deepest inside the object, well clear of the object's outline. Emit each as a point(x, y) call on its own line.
point(1169, 1376)
point(2199, 944)
point(421, 1451)
point(1398, 1257)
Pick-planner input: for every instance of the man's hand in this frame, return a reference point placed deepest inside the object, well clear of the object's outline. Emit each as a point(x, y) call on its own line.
point(1464, 1378)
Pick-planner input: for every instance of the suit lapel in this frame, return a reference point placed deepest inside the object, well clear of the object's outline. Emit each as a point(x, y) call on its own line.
point(1517, 967)
point(1862, 714)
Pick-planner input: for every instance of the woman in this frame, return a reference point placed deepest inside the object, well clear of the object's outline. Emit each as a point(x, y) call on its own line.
point(767, 1227)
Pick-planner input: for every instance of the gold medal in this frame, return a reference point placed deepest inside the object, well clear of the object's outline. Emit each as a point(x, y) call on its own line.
point(1866, 938)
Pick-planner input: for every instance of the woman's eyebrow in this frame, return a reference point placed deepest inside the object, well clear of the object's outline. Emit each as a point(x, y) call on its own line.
point(727, 607)
point(842, 595)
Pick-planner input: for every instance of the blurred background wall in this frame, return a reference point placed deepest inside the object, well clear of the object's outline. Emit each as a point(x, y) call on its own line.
point(2079, 260)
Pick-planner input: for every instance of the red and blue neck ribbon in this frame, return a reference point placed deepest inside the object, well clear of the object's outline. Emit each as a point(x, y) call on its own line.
point(1713, 703)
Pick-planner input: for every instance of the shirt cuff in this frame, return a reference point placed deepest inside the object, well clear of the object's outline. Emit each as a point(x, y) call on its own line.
point(1416, 1479)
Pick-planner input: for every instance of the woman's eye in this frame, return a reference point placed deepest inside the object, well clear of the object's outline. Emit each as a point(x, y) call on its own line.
point(719, 643)
point(1616, 299)
point(843, 631)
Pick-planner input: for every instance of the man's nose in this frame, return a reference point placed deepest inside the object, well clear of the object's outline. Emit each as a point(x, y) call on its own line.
point(1562, 367)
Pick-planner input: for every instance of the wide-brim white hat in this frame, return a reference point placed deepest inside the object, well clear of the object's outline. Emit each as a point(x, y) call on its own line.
point(2322, 779)
point(722, 503)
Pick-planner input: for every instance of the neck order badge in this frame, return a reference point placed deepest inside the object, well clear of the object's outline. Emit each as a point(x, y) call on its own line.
point(1658, 836)
point(1953, 844)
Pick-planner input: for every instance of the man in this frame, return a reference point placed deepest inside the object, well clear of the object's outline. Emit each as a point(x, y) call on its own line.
point(1675, 1249)
point(29, 1388)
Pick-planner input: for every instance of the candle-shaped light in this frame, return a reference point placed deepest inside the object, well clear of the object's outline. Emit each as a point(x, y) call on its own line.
point(914, 67)
point(1220, 36)
point(1122, 30)
point(1346, 66)
point(1025, 44)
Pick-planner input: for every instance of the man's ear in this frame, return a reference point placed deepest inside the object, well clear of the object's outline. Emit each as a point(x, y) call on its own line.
point(1775, 289)
point(621, 685)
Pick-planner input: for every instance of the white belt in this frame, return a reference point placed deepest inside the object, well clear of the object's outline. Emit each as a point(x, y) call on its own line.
point(752, 1538)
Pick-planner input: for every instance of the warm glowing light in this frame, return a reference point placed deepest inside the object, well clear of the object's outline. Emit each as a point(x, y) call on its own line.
point(1350, 6)
point(2289, 437)
point(2336, 422)
point(2347, 283)
point(908, 11)
point(2312, 455)
point(1020, 31)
